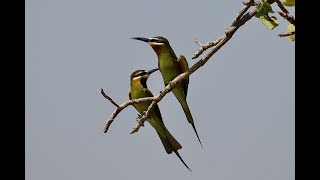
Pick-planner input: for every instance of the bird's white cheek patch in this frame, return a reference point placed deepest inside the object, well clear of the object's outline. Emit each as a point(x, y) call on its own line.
point(155, 43)
point(136, 78)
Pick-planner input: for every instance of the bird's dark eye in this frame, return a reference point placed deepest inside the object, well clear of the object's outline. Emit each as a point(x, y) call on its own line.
point(155, 40)
point(141, 74)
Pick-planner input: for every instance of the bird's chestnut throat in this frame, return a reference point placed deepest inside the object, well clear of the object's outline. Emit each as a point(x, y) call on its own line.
point(158, 49)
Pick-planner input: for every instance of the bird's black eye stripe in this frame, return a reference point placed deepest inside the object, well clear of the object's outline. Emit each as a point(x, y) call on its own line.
point(155, 40)
point(140, 74)
point(143, 73)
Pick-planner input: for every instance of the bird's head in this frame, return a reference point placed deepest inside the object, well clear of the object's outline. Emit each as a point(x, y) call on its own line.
point(157, 43)
point(141, 76)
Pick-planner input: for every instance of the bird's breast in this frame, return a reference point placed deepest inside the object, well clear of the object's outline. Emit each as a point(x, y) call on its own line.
point(169, 70)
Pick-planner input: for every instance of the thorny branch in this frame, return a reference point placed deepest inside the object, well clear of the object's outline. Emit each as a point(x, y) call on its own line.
point(241, 18)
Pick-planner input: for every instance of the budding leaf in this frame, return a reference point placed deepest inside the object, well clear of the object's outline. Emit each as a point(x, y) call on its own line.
point(291, 28)
point(270, 22)
point(263, 8)
point(288, 2)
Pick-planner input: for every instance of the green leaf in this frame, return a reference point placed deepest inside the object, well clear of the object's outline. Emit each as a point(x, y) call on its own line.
point(288, 2)
point(263, 8)
point(291, 28)
point(270, 22)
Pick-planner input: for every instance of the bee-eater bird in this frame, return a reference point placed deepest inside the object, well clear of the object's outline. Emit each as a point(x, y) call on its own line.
point(170, 67)
point(138, 90)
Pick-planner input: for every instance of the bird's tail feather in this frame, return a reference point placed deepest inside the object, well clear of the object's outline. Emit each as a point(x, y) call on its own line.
point(171, 144)
point(187, 112)
point(181, 160)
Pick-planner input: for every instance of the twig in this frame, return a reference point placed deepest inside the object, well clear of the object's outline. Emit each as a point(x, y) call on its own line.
point(204, 47)
point(121, 107)
point(288, 17)
point(286, 34)
point(247, 5)
point(197, 42)
point(109, 98)
point(285, 13)
point(283, 9)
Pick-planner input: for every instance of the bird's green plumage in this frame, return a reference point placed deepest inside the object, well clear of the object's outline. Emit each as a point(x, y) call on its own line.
point(155, 118)
point(170, 67)
point(138, 90)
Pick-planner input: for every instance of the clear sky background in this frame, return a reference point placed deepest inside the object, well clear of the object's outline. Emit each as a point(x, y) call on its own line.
point(242, 100)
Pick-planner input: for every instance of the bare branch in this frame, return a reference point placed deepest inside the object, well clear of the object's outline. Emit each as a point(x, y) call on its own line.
point(246, 7)
point(121, 107)
point(288, 17)
point(109, 98)
point(204, 47)
point(283, 9)
point(286, 34)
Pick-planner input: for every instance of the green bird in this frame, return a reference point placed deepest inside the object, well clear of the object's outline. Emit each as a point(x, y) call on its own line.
point(170, 67)
point(138, 90)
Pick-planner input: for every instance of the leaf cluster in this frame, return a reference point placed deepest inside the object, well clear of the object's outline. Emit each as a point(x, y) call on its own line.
point(264, 10)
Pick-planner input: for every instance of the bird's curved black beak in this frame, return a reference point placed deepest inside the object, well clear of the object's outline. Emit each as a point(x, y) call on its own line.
point(152, 70)
point(141, 39)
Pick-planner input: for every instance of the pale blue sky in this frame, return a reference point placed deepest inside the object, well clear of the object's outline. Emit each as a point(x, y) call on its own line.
point(242, 100)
